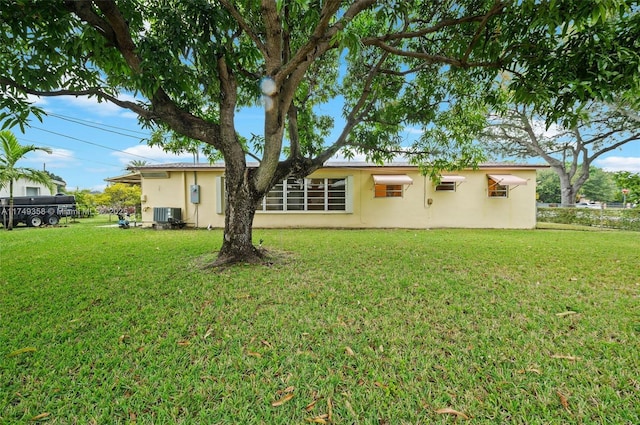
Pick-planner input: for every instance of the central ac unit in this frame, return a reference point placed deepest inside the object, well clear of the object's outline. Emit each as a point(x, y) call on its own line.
point(166, 214)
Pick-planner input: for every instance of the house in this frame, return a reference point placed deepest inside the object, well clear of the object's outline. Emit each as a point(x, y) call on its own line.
point(23, 187)
point(351, 195)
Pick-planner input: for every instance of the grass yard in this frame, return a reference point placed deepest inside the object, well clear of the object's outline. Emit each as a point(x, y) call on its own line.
point(106, 326)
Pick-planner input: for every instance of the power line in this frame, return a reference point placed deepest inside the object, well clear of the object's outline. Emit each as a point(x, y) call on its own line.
point(100, 126)
point(59, 154)
point(92, 143)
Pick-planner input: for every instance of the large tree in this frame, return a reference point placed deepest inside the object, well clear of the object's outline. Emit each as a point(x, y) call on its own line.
point(11, 151)
point(570, 151)
point(193, 64)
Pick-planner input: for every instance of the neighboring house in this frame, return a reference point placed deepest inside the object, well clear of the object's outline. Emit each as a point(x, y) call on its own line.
point(352, 195)
point(23, 187)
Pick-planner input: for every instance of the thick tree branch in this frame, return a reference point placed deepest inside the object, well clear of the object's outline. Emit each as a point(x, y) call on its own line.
point(615, 146)
point(91, 92)
point(367, 41)
point(245, 26)
point(355, 116)
point(496, 9)
point(319, 41)
point(273, 36)
point(433, 59)
point(114, 28)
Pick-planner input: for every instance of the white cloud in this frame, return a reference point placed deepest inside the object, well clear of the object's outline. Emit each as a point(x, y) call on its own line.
point(102, 109)
point(37, 100)
point(619, 163)
point(151, 154)
point(98, 188)
point(540, 128)
point(86, 105)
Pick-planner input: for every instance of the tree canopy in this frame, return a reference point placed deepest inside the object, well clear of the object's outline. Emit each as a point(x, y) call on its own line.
point(629, 182)
point(430, 65)
point(598, 128)
point(601, 186)
point(119, 196)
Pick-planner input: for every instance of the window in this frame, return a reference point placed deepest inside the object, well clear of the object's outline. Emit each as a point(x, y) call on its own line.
point(390, 185)
point(499, 184)
point(32, 191)
point(446, 186)
point(449, 183)
point(323, 194)
point(388, 190)
point(274, 201)
point(497, 190)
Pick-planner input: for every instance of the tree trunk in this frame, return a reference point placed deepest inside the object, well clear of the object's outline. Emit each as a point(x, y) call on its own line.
point(567, 193)
point(237, 244)
point(241, 200)
point(10, 222)
point(241, 197)
point(567, 190)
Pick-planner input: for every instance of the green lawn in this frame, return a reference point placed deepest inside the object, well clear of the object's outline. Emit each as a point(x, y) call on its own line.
point(104, 326)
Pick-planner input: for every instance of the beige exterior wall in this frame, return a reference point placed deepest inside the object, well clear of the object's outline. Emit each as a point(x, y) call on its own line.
point(421, 206)
point(22, 186)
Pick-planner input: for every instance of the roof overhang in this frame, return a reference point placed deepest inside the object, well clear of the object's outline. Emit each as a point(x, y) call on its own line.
point(131, 178)
point(392, 179)
point(508, 180)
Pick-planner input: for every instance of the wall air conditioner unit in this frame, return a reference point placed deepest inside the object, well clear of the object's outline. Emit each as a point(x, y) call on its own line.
point(167, 215)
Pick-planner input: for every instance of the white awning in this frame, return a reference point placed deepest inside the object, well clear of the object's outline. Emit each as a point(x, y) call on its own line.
point(508, 180)
point(392, 179)
point(448, 179)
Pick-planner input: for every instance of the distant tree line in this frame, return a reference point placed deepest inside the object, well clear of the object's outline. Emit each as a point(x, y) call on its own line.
point(117, 197)
point(601, 186)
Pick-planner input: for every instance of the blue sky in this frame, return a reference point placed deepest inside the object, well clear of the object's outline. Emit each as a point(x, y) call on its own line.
point(92, 141)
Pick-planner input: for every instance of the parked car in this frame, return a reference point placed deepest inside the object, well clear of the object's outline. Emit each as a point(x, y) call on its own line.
point(588, 205)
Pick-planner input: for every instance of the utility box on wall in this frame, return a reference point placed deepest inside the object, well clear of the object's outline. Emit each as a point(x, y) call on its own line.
point(195, 193)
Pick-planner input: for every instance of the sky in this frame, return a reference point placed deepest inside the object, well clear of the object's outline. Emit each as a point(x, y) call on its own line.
point(93, 141)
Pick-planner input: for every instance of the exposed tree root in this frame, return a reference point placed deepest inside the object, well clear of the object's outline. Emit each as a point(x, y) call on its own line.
point(261, 256)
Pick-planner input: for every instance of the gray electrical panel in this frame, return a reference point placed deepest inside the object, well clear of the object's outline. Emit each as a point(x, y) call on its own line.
point(195, 193)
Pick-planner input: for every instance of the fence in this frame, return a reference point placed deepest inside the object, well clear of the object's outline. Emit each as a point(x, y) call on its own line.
point(623, 219)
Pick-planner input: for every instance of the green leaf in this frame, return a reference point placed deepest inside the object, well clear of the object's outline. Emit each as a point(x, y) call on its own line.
point(21, 351)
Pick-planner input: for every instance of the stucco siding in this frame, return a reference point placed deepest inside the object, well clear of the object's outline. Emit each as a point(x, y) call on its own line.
point(420, 205)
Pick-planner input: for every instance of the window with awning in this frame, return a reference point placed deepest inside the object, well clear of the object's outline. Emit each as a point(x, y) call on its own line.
point(393, 179)
point(499, 184)
point(449, 183)
point(390, 185)
point(508, 180)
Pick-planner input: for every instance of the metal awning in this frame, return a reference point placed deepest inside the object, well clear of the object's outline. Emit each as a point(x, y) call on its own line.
point(131, 178)
point(449, 179)
point(508, 180)
point(392, 179)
